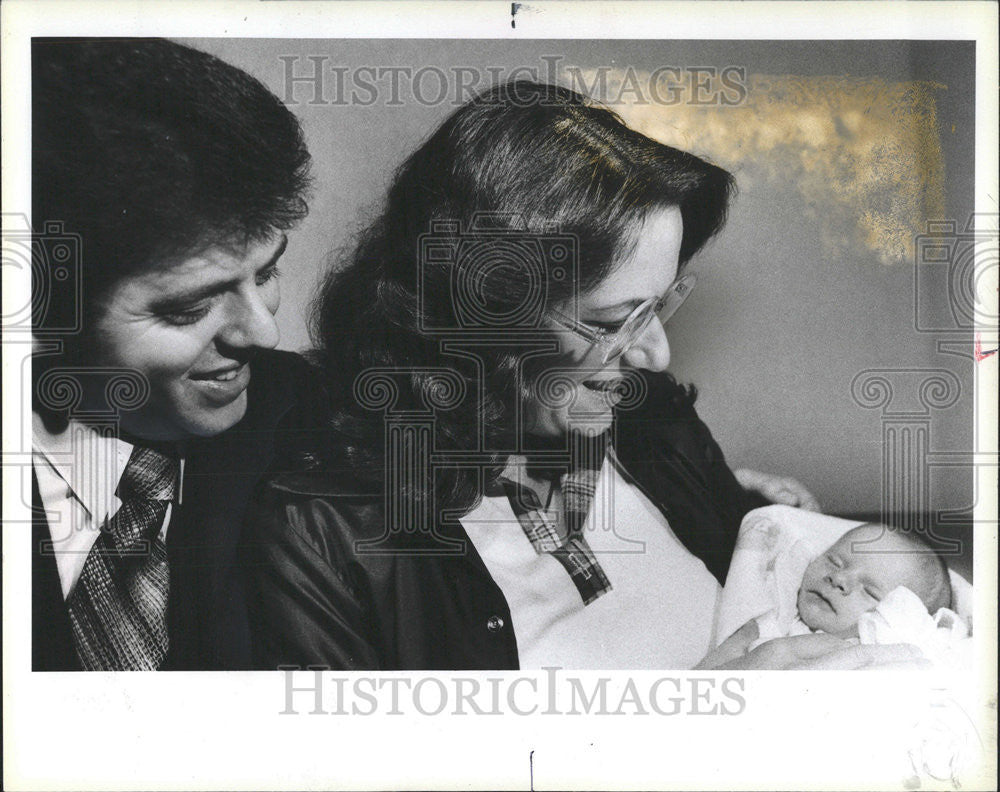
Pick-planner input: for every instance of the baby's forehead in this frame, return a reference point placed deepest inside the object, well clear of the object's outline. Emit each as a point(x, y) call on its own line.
point(865, 538)
point(883, 552)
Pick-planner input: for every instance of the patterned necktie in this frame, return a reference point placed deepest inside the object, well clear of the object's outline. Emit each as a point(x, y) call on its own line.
point(118, 608)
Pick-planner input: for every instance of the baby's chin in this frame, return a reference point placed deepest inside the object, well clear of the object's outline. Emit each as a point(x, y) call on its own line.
point(850, 631)
point(817, 623)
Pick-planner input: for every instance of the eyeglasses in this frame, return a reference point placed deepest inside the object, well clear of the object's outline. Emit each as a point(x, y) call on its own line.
point(617, 342)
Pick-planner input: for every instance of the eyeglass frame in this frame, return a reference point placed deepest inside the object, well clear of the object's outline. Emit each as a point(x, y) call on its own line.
point(599, 336)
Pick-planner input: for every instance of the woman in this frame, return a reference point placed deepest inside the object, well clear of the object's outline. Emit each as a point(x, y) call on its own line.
point(511, 477)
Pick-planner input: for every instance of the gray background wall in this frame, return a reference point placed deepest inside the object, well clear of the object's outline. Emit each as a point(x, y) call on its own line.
point(793, 300)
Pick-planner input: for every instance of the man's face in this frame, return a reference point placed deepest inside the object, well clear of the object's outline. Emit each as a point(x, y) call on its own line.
point(191, 326)
point(853, 576)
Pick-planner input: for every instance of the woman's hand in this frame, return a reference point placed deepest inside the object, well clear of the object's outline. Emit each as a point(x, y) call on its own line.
point(777, 489)
point(821, 652)
point(733, 648)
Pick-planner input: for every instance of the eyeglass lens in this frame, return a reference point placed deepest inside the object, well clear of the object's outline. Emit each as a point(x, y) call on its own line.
point(637, 323)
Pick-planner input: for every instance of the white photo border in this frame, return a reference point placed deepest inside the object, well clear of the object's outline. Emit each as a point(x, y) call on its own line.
point(228, 731)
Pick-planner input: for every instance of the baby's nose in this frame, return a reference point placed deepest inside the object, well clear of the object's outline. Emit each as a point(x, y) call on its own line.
point(839, 581)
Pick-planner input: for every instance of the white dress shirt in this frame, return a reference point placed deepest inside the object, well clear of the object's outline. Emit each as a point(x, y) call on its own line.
point(78, 471)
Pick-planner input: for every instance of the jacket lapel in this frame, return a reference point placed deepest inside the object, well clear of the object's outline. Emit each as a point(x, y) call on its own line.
point(209, 626)
point(673, 459)
point(51, 635)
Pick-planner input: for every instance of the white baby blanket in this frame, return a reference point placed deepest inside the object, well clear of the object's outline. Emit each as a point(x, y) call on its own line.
point(774, 548)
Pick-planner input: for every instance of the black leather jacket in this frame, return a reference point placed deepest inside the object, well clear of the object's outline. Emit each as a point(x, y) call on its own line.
point(318, 599)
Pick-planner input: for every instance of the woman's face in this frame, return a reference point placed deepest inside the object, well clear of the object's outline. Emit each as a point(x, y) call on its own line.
point(587, 388)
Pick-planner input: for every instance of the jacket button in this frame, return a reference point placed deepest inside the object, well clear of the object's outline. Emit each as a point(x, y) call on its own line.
point(494, 624)
point(308, 460)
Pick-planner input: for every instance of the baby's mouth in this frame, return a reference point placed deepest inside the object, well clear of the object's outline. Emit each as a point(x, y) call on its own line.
point(828, 602)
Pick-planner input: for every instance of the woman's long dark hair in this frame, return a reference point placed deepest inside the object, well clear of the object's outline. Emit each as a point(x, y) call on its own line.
point(525, 166)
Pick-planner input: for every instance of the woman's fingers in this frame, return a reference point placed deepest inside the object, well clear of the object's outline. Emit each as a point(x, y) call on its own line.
point(782, 653)
point(921, 664)
point(790, 492)
point(821, 652)
point(868, 657)
point(735, 646)
point(805, 499)
point(804, 648)
point(784, 490)
point(749, 479)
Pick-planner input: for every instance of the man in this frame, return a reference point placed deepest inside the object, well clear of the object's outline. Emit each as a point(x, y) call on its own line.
point(180, 175)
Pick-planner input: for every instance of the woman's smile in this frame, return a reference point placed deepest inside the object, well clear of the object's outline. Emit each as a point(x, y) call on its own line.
point(608, 392)
point(610, 386)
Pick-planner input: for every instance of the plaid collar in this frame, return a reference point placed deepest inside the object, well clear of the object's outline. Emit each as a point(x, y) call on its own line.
point(561, 533)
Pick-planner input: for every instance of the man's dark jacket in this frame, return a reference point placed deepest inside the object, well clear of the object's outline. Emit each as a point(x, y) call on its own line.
point(207, 614)
point(320, 598)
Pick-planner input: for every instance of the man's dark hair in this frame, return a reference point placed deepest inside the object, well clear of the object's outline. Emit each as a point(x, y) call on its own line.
point(149, 150)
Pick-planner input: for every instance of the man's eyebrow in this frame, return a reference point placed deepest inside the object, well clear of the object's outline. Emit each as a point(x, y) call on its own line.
point(277, 254)
point(216, 287)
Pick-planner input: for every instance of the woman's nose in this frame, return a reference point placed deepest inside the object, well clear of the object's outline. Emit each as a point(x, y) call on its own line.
point(651, 350)
point(250, 324)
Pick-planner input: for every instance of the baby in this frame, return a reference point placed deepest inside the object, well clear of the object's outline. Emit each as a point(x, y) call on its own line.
point(860, 569)
point(849, 579)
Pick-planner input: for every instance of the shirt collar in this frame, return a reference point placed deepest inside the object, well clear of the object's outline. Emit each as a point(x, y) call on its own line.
point(89, 461)
point(556, 461)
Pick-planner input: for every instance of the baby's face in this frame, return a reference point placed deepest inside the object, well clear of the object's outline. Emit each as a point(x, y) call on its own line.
point(853, 576)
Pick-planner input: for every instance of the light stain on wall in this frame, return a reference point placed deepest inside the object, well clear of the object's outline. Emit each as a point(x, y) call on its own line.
point(863, 154)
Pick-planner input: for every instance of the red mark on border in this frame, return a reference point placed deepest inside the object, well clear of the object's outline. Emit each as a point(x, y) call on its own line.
point(980, 355)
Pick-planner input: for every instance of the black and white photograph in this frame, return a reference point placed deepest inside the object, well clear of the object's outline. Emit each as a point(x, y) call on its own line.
point(477, 395)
